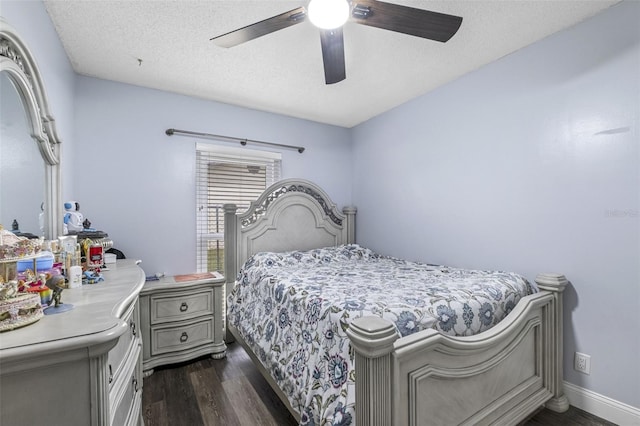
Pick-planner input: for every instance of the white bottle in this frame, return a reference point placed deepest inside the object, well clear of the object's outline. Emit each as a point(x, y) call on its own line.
point(75, 276)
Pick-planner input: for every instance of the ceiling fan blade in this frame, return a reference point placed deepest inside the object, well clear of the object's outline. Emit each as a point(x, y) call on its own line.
point(405, 19)
point(333, 55)
point(264, 27)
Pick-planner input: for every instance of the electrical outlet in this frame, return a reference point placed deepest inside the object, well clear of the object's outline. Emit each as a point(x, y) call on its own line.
point(582, 363)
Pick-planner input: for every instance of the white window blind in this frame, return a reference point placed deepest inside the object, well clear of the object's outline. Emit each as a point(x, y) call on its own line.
point(227, 175)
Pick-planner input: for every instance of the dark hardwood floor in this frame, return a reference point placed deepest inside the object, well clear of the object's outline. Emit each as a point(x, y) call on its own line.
point(231, 391)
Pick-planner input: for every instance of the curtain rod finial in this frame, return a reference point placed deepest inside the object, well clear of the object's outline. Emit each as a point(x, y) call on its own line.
point(169, 132)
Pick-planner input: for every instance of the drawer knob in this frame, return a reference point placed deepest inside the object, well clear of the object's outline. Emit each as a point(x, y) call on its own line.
point(184, 307)
point(132, 326)
point(134, 382)
point(184, 337)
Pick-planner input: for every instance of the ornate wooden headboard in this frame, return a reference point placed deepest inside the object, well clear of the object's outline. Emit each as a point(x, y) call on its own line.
point(292, 214)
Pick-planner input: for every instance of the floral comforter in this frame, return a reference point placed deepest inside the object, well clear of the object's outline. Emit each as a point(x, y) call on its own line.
point(293, 309)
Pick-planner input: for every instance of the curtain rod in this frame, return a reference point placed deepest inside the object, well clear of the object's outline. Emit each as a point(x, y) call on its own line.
point(243, 142)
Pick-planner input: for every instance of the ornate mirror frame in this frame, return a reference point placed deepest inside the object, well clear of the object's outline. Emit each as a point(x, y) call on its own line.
point(19, 64)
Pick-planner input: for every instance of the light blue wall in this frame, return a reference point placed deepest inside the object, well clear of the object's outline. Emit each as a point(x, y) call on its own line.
point(529, 164)
point(138, 184)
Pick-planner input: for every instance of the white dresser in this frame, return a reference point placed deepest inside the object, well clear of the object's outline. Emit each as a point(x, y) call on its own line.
point(181, 319)
point(81, 367)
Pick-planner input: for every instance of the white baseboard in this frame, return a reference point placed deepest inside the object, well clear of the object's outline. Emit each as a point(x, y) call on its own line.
point(602, 406)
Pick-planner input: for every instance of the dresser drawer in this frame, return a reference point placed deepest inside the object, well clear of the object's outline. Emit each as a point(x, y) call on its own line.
point(179, 338)
point(126, 342)
point(127, 395)
point(171, 307)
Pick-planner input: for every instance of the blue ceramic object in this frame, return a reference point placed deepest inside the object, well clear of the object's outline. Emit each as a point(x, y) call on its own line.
point(44, 262)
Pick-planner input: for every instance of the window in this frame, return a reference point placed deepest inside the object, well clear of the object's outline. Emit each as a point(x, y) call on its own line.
point(226, 175)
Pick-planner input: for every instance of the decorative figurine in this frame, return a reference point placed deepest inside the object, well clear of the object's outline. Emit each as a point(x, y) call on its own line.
point(41, 218)
point(55, 283)
point(92, 277)
point(72, 218)
point(8, 290)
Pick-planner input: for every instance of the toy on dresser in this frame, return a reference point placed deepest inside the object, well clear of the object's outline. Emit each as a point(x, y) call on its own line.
point(72, 217)
point(20, 298)
point(74, 222)
point(93, 243)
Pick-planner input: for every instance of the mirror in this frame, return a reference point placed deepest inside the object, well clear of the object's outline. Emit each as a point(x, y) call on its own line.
point(22, 187)
point(29, 144)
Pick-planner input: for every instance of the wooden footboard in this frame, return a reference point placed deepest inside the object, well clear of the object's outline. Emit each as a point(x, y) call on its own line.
point(498, 377)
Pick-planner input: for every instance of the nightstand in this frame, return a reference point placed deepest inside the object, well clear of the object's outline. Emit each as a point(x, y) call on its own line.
point(181, 319)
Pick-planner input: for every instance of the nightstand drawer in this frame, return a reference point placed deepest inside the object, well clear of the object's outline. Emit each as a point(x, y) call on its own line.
point(171, 307)
point(173, 339)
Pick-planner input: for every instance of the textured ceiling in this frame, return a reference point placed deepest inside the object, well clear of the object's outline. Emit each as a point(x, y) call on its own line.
point(165, 45)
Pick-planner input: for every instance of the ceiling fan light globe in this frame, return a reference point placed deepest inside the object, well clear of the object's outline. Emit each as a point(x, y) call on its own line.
point(328, 14)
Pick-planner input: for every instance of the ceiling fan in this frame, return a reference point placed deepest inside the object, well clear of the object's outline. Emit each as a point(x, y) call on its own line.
point(330, 15)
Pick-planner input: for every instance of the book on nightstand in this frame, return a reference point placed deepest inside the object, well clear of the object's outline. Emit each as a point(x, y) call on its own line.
point(197, 276)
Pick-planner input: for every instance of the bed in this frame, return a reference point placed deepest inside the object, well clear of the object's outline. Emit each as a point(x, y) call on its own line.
point(398, 357)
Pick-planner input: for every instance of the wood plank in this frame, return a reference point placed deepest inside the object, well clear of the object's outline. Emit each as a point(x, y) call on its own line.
point(252, 411)
point(573, 416)
point(153, 391)
point(278, 411)
point(234, 365)
point(180, 398)
point(155, 414)
point(215, 405)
